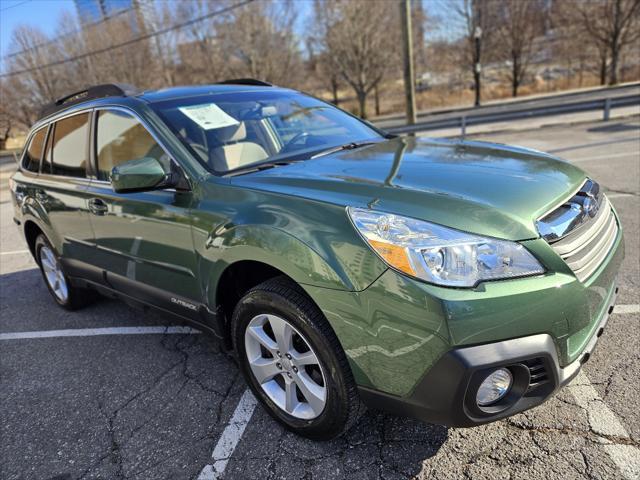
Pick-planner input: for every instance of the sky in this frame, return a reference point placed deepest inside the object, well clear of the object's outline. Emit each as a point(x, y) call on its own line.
point(41, 13)
point(45, 14)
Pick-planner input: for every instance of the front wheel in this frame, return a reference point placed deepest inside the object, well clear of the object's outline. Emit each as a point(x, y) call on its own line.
point(293, 362)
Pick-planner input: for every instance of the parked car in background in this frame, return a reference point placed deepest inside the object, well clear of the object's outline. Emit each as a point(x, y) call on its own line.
point(458, 282)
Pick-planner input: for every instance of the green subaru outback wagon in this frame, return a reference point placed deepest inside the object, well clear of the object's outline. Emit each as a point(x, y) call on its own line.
point(457, 282)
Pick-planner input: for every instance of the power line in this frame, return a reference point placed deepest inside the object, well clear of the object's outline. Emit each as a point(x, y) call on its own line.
point(14, 5)
point(130, 42)
point(68, 34)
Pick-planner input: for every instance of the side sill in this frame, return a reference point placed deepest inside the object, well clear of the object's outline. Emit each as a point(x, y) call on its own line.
point(209, 321)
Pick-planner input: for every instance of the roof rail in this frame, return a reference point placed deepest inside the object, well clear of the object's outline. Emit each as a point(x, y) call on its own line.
point(245, 81)
point(91, 93)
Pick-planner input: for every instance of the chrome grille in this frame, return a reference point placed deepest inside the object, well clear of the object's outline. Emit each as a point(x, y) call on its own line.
point(589, 236)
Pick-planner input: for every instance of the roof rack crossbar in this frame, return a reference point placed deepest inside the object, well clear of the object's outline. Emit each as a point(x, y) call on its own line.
point(95, 92)
point(245, 81)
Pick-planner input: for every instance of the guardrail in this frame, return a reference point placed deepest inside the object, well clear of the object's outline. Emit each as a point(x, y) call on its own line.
point(469, 118)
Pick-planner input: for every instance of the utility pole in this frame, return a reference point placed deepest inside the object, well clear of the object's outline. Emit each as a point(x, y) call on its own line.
point(477, 68)
point(407, 47)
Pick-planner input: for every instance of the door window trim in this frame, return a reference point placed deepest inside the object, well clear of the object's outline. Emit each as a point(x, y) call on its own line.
point(26, 150)
point(51, 129)
point(148, 129)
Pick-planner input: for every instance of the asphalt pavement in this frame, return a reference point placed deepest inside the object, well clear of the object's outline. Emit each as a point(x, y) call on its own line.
point(147, 400)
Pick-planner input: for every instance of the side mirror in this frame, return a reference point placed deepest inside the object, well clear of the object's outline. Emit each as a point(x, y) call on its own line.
point(139, 175)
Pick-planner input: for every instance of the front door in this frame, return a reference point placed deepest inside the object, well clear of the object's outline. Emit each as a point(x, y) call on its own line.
point(143, 240)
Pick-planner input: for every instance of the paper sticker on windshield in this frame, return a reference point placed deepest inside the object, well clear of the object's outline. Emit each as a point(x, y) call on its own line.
point(209, 116)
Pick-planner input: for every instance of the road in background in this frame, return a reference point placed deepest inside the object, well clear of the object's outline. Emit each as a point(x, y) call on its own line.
point(156, 406)
point(528, 103)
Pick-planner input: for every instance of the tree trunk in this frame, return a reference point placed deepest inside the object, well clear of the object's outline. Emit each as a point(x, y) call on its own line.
point(613, 68)
point(476, 81)
point(515, 80)
point(334, 91)
point(362, 103)
point(377, 99)
point(603, 70)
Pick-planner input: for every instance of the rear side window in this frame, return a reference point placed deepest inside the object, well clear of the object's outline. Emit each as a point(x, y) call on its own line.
point(31, 160)
point(70, 152)
point(122, 138)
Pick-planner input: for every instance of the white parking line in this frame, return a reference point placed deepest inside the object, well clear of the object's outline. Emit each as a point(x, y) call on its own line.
point(15, 252)
point(607, 156)
point(90, 332)
point(626, 308)
point(618, 195)
point(604, 422)
point(230, 437)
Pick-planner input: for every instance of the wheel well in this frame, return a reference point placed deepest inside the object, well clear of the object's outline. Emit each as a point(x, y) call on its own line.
point(238, 279)
point(31, 232)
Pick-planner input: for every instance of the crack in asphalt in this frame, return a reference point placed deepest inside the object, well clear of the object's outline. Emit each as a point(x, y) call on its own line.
point(590, 435)
point(623, 192)
point(175, 345)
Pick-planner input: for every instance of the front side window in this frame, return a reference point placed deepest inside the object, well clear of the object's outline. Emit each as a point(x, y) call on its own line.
point(122, 138)
point(229, 131)
point(69, 150)
point(31, 160)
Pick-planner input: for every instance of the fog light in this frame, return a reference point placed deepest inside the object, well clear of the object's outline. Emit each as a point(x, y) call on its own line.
point(494, 387)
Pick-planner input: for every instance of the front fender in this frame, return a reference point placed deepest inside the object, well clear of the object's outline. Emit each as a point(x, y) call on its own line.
point(273, 247)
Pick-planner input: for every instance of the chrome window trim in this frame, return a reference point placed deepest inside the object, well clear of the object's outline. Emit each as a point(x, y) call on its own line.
point(65, 114)
point(27, 144)
point(146, 126)
point(54, 177)
point(46, 141)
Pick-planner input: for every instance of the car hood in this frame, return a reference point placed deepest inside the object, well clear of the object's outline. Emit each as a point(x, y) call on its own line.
point(478, 187)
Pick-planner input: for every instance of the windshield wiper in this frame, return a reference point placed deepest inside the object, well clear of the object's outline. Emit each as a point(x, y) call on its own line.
point(346, 146)
point(256, 167)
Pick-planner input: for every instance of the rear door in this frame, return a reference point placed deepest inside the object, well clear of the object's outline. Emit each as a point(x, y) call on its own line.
point(143, 239)
point(62, 192)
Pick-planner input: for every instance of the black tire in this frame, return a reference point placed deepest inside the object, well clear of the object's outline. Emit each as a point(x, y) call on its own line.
point(76, 297)
point(280, 296)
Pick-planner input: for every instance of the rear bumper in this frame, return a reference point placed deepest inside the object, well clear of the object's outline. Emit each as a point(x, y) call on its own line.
point(446, 394)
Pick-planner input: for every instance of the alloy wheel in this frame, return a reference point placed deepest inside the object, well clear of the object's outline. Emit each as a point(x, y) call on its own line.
point(286, 367)
point(53, 274)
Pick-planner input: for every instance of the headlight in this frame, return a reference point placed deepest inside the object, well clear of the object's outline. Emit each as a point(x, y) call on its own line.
point(441, 255)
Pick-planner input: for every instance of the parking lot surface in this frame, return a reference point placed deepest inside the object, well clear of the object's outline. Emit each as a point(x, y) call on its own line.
point(146, 400)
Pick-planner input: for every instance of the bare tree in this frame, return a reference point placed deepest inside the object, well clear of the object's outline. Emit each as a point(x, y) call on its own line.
point(361, 38)
point(6, 118)
point(258, 41)
point(519, 21)
point(324, 71)
point(201, 59)
point(477, 21)
point(614, 24)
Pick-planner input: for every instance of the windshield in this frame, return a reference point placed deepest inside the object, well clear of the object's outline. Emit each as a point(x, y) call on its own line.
point(231, 131)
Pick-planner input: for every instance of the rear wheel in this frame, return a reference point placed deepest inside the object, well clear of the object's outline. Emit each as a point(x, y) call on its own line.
point(65, 294)
point(293, 362)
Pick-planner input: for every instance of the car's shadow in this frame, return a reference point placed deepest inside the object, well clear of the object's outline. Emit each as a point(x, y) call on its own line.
point(378, 445)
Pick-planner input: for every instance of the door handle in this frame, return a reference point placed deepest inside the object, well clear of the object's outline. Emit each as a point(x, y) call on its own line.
point(97, 206)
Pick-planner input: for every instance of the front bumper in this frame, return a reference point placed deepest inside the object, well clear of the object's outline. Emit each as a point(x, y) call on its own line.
point(446, 394)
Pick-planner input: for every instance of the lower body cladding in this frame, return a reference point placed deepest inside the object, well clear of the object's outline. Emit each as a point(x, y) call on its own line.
point(448, 393)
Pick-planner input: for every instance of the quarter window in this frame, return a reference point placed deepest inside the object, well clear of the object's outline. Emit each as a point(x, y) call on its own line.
point(122, 138)
point(31, 160)
point(69, 149)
